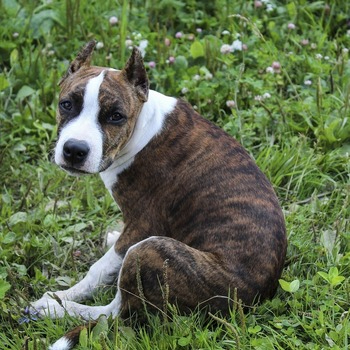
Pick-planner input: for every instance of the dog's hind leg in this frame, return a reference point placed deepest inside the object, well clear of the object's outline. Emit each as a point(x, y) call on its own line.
point(155, 271)
point(159, 270)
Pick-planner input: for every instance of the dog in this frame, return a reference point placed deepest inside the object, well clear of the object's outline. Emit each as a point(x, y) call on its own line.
point(202, 224)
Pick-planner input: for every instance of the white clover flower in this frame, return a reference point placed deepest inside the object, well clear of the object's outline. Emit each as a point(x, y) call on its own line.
point(269, 5)
point(128, 42)
point(184, 90)
point(113, 20)
point(276, 66)
point(237, 45)
point(225, 32)
point(266, 95)
point(345, 50)
point(142, 47)
point(291, 26)
point(230, 103)
point(15, 35)
point(318, 56)
point(197, 77)
point(270, 70)
point(307, 82)
point(258, 98)
point(225, 49)
point(208, 76)
point(326, 58)
point(99, 45)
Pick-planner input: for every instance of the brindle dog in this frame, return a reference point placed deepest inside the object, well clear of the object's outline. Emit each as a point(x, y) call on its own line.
point(196, 207)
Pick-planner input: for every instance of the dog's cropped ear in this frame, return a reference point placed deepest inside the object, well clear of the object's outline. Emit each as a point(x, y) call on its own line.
point(83, 59)
point(136, 74)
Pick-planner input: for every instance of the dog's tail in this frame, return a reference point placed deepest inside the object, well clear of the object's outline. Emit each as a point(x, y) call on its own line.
point(70, 339)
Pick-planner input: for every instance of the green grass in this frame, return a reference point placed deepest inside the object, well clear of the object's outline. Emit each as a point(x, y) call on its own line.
point(52, 226)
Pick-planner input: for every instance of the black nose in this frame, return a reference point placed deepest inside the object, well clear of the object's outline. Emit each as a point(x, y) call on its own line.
point(75, 151)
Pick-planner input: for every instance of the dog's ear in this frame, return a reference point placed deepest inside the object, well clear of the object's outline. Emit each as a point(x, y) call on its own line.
point(83, 59)
point(136, 74)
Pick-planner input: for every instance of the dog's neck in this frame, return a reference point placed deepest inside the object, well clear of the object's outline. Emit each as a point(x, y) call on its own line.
point(148, 125)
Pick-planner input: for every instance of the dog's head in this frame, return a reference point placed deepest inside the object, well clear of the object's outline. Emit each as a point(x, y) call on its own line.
point(97, 111)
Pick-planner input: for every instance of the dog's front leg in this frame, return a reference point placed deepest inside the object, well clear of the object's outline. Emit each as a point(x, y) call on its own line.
point(103, 272)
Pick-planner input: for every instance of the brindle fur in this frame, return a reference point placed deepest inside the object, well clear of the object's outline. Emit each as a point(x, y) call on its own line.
point(210, 212)
point(220, 223)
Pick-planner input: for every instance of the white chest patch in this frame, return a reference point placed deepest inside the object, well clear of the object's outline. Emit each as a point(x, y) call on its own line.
point(148, 125)
point(85, 127)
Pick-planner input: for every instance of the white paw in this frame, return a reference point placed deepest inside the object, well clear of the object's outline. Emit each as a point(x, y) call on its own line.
point(49, 305)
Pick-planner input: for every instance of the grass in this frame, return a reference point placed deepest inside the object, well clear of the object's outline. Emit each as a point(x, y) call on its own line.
point(290, 89)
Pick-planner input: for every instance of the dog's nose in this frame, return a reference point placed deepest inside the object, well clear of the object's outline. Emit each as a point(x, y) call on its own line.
point(75, 151)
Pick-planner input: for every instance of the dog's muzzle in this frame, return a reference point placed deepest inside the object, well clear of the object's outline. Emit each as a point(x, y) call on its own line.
point(75, 152)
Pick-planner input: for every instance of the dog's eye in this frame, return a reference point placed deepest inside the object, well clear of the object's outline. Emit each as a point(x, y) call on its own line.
point(116, 118)
point(66, 105)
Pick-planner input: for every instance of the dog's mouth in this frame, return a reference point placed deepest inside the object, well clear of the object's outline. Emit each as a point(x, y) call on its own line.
point(74, 171)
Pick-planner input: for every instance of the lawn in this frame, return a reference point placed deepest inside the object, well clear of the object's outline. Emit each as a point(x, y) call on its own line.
point(273, 74)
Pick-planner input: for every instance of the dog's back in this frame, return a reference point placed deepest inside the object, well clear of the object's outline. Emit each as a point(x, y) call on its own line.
point(197, 185)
